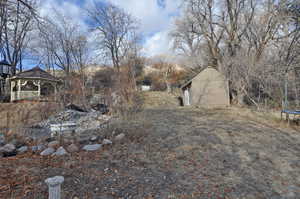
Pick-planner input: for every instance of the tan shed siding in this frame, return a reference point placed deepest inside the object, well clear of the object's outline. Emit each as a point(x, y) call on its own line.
point(210, 88)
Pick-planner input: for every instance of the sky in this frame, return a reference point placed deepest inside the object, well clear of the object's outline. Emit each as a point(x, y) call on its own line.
point(154, 16)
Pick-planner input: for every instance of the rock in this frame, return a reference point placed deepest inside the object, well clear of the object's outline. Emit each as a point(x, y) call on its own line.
point(75, 108)
point(72, 148)
point(2, 139)
point(60, 151)
point(22, 149)
point(94, 138)
point(120, 137)
point(28, 140)
point(17, 143)
point(37, 148)
point(9, 147)
point(92, 147)
point(47, 151)
point(106, 142)
point(102, 108)
point(49, 139)
point(83, 140)
point(53, 144)
point(8, 150)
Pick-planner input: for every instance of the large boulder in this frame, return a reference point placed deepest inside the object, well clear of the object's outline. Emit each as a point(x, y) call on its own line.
point(47, 151)
point(22, 149)
point(72, 148)
point(92, 147)
point(2, 139)
point(60, 151)
point(37, 148)
point(53, 144)
point(8, 150)
point(75, 108)
point(106, 142)
point(102, 108)
point(120, 137)
point(94, 138)
point(17, 142)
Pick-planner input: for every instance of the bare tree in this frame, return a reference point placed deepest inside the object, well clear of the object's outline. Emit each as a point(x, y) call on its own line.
point(62, 44)
point(241, 39)
point(17, 18)
point(116, 31)
point(186, 42)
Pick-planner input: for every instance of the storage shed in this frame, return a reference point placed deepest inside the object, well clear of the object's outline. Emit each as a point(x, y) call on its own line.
point(209, 88)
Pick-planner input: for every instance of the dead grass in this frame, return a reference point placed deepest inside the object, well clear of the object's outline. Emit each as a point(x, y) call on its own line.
point(19, 115)
point(269, 117)
point(172, 152)
point(159, 99)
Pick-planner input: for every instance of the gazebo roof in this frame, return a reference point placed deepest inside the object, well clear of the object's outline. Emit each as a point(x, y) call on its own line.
point(35, 73)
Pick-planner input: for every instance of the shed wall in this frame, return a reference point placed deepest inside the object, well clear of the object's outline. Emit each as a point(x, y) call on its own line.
point(210, 89)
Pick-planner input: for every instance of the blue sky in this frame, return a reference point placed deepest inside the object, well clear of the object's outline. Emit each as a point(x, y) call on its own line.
point(155, 17)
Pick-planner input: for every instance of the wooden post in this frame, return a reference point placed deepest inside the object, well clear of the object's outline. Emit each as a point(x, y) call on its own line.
point(54, 186)
point(19, 89)
point(39, 87)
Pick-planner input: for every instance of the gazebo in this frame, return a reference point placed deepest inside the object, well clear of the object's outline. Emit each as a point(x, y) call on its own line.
point(33, 84)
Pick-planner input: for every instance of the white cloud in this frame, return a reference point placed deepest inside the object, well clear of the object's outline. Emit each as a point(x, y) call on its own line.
point(155, 21)
point(68, 9)
point(157, 44)
point(150, 15)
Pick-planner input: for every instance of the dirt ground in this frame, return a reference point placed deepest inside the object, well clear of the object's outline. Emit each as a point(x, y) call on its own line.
point(172, 153)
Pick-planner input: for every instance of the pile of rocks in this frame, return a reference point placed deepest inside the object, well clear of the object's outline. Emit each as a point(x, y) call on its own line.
point(83, 120)
point(54, 148)
point(84, 123)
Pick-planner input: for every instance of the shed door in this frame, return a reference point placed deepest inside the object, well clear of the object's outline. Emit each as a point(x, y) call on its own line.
point(187, 97)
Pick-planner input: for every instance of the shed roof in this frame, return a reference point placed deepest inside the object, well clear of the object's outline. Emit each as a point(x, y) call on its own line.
point(192, 78)
point(35, 73)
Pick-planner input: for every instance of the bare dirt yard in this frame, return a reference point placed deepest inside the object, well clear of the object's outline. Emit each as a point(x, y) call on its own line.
point(171, 153)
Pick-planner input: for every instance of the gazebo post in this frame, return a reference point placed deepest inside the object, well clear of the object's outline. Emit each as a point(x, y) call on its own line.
point(19, 89)
point(39, 86)
point(12, 85)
